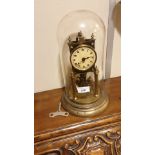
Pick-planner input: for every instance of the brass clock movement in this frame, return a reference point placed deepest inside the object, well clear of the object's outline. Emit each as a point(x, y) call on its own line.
point(84, 96)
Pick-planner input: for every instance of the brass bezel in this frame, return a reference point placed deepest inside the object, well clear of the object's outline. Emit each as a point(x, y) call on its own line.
point(80, 46)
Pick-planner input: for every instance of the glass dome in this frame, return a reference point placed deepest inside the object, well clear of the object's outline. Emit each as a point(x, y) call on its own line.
point(81, 38)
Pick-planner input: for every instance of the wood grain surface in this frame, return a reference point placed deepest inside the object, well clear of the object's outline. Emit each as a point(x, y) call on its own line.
point(56, 130)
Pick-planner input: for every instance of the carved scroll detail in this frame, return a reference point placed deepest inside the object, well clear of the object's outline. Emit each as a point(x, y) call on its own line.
point(108, 142)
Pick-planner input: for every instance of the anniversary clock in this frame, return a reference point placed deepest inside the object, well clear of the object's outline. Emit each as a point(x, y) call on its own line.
point(81, 38)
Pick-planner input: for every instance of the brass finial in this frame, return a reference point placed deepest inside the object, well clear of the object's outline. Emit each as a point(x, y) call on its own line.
point(92, 36)
point(69, 39)
point(80, 34)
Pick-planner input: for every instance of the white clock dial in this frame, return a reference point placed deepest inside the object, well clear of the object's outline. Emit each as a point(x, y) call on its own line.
point(83, 58)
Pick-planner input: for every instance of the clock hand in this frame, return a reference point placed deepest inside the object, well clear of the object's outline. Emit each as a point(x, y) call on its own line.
point(87, 58)
point(83, 59)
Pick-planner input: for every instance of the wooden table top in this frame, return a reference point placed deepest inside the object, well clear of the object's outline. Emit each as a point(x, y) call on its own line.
point(46, 102)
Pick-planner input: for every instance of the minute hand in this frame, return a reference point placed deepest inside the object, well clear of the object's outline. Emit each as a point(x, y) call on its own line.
point(83, 59)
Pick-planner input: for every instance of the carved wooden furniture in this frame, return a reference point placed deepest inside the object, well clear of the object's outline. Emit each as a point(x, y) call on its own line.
point(99, 135)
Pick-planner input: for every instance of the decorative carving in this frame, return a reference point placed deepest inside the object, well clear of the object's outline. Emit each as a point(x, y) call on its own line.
point(109, 143)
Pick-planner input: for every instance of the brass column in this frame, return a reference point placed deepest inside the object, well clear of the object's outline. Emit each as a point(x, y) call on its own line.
point(96, 82)
point(73, 85)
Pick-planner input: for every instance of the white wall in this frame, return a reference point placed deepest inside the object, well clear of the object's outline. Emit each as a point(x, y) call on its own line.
point(48, 14)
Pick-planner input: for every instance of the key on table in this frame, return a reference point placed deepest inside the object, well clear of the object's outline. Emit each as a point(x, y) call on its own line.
point(59, 112)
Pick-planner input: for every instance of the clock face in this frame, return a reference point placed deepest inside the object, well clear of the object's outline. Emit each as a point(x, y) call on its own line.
point(83, 58)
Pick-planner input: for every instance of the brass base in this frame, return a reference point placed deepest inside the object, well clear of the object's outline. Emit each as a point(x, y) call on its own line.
point(85, 110)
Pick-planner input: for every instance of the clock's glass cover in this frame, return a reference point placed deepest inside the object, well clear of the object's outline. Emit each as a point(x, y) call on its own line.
point(81, 40)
